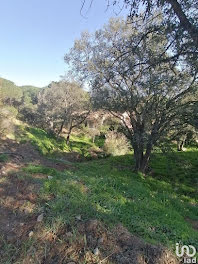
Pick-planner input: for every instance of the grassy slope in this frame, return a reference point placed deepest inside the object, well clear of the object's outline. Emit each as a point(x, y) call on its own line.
point(154, 208)
point(108, 190)
point(48, 144)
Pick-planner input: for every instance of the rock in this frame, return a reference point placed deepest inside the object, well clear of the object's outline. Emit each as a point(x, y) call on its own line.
point(78, 217)
point(96, 251)
point(31, 234)
point(50, 177)
point(40, 218)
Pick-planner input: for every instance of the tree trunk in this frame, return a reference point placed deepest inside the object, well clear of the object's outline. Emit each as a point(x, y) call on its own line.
point(138, 146)
point(69, 133)
point(146, 158)
point(181, 142)
point(68, 138)
point(180, 145)
point(61, 127)
point(141, 159)
point(138, 159)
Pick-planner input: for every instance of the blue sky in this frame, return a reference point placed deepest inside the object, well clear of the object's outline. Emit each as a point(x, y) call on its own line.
point(35, 35)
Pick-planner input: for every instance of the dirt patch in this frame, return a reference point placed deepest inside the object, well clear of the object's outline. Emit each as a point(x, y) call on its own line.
point(17, 205)
point(91, 243)
point(19, 198)
point(28, 154)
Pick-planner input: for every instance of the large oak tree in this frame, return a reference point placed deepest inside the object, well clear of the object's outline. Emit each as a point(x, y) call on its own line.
point(121, 63)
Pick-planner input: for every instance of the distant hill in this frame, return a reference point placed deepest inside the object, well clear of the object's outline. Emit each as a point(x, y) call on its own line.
point(10, 91)
point(7, 84)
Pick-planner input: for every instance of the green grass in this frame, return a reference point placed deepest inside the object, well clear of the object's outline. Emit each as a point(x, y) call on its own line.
point(154, 208)
point(48, 144)
point(4, 157)
point(178, 168)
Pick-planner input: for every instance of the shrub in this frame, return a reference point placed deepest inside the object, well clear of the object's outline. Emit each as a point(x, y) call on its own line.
point(91, 132)
point(116, 144)
point(7, 117)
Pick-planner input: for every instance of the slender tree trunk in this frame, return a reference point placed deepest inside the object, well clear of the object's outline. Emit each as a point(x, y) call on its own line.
point(61, 127)
point(138, 146)
point(180, 145)
point(51, 125)
point(138, 159)
point(146, 158)
point(68, 138)
point(69, 133)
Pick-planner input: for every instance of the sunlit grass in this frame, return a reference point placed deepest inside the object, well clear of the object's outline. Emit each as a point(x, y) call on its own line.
point(154, 208)
point(48, 144)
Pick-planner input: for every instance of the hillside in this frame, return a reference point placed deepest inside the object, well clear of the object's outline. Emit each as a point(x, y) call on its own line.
point(7, 83)
point(66, 209)
point(9, 89)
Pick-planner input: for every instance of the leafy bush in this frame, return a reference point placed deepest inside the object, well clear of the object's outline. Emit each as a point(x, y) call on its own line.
point(116, 144)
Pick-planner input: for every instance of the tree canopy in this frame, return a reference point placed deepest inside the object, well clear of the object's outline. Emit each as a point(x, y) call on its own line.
point(63, 104)
point(127, 79)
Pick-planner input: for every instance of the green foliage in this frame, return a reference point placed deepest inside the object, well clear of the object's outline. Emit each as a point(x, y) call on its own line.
point(29, 94)
point(108, 190)
point(116, 144)
point(62, 104)
point(134, 80)
point(4, 158)
point(47, 143)
point(9, 92)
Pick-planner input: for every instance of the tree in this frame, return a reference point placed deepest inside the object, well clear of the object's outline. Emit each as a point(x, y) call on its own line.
point(181, 14)
point(179, 20)
point(127, 79)
point(63, 104)
point(30, 94)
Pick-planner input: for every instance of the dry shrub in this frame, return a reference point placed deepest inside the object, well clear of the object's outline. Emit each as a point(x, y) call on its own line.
point(116, 144)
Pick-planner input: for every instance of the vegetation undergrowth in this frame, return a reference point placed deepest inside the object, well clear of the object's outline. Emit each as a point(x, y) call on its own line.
point(4, 157)
point(155, 208)
point(48, 144)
